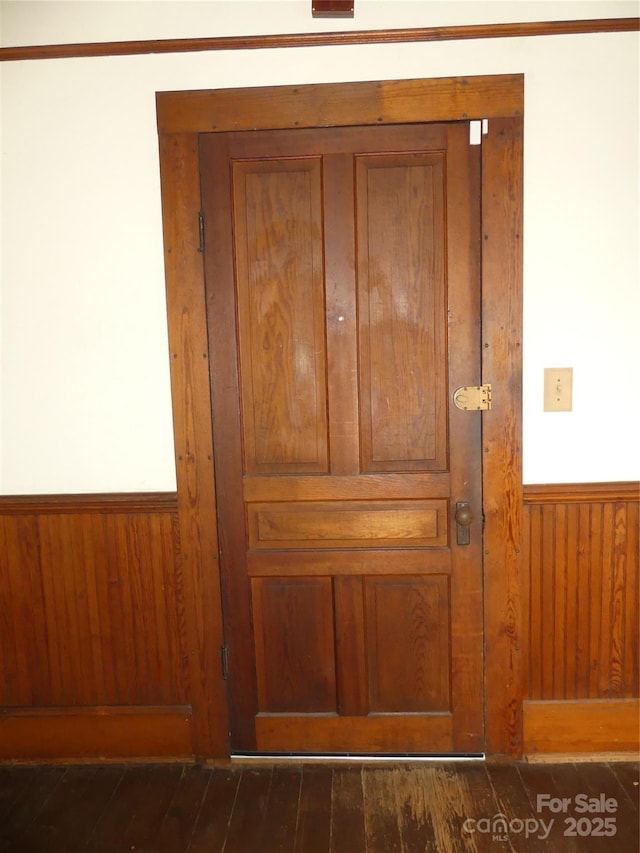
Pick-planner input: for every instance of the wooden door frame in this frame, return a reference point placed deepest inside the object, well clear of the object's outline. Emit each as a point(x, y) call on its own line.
point(184, 115)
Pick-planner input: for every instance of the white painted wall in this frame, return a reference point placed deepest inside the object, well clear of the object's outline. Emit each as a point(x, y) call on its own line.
point(83, 345)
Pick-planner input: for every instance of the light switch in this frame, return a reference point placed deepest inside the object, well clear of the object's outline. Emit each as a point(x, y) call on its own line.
point(558, 389)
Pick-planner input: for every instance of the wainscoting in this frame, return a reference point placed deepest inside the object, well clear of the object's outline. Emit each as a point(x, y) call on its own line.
point(94, 659)
point(581, 625)
point(92, 651)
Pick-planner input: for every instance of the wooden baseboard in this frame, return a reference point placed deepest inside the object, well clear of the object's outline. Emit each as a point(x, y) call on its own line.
point(102, 733)
point(581, 726)
point(581, 757)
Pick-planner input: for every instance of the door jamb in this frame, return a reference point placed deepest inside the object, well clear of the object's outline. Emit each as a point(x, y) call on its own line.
point(181, 117)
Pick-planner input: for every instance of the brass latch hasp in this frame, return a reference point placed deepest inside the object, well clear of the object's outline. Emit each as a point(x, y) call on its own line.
point(473, 398)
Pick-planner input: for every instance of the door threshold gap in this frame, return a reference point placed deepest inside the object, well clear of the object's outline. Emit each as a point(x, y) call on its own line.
point(356, 758)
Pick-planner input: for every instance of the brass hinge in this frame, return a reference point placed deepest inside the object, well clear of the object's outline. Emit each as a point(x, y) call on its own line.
point(473, 398)
point(224, 660)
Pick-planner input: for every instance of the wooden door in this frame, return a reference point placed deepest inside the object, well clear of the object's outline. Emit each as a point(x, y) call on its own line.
point(343, 306)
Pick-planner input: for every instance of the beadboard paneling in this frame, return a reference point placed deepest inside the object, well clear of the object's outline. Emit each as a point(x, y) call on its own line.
point(91, 605)
point(582, 619)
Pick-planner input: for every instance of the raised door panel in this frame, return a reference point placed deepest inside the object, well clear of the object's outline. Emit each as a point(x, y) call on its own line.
point(294, 637)
point(344, 524)
point(408, 646)
point(400, 204)
point(279, 262)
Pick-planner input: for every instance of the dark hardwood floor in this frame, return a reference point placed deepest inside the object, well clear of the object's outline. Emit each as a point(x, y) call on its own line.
point(317, 808)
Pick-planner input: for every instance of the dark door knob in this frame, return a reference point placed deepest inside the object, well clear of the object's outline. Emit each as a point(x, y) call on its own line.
point(464, 517)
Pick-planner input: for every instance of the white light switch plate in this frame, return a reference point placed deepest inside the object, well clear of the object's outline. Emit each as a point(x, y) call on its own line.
point(558, 389)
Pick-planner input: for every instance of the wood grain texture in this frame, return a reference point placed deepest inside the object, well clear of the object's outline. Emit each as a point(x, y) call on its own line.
point(581, 493)
point(341, 313)
point(340, 104)
point(295, 652)
point(582, 604)
point(277, 220)
point(328, 733)
point(189, 362)
point(91, 604)
point(348, 525)
point(408, 331)
point(351, 653)
point(219, 305)
point(408, 645)
point(103, 504)
point(465, 285)
point(345, 488)
point(400, 199)
point(348, 561)
point(502, 176)
point(574, 726)
point(86, 733)
point(406, 102)
point(310, 808)
point(394, 36)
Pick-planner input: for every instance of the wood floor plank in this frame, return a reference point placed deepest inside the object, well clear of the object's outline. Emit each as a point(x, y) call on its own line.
point(628, 775)
point(313, 831)
point(279, 828)
point(452, 803)
point(347, 811)
point(598, 782)
point(72, 810)
point(415, 816)
point(480, 805)
point(33, 788)
point(179, 822)
point(212, 823)
point(404, 808)
point(249, 810)
point(108, 833)
point(160, 784)
point(570, 781)
point(381, 816)
point(13, 781)
point(514, 804)
point(538, 782)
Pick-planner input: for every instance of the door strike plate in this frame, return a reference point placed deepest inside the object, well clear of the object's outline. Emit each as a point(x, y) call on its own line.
point(473, 398)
